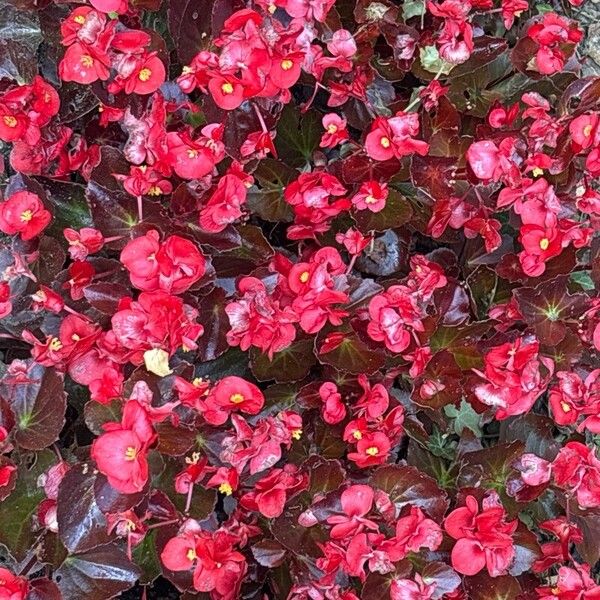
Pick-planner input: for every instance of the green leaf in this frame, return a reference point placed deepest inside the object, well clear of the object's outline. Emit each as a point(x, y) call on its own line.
point(412, 8)
point(266, 198)
point(16, 511)
point(464, 417)
point(291, 364)
point(297, 136)
point(146, 558)
point(432, 62)
point(397, 212)
point(583, 279)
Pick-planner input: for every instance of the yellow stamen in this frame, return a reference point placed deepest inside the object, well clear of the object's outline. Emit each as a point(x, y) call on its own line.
point(227, 88)
point(385, 142)
point(130, 453)
point(86, 60)
point(287, 64)
point(144, 74)
point(236, 398)
point(192, 153)
point(10, 121)
point(566, 408)
point(297, 434)
point(357, 435)
point(191, 554)
point(372, 451)
point(544, 243)
point(79, 19)
point(26, 216)
point(55, 344)
point(304, 276)
point(226, 489)
point(332, 128)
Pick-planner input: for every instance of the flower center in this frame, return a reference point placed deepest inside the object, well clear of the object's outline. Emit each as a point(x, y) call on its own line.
point(236, 398)
point(287, 64)
point(130, 453)
point(297, 434)
point(10, 121)
point(385, 142)
point(357, 435)
point(192, 153)
point(227, 88)
point(304, 276)
point(370, 200)
point(55, 344)
point(226, 489)
point(26, 216)
point(587, 130)
point(86, 60)
point(79, 19)
point(544, 243)
point(272, 8)
point(197, 382)
point(332, 128)
point(191, 554)
point(154, 191)
point(372, 451)
point(145, 74)
point(566, 408)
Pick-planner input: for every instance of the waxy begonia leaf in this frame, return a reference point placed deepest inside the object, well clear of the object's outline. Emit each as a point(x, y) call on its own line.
point(96, 575)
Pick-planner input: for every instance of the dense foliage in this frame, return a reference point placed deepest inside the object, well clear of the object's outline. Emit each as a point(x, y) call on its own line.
point(298, 300)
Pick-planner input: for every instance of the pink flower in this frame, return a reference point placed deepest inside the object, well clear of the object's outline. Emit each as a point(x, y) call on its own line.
point(232, 394)
point(577, 469)
point(357, 501)
point(12, 587)
point(120, 452)
point(271, 492)
point(372, 196)
point(484, 538)
point(394, 137)
point(23, 213)
point(335, 131)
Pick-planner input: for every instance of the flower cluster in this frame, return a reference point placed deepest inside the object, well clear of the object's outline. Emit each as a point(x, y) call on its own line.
point(299, 300)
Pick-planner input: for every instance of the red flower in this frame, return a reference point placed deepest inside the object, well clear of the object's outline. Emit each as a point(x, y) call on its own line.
point(83, 242)
point(257, 319)
point(372, 196)
point(413, 532)
point(218, 568)
point(553, 34)
point(172, 266)
point(5, 301)
point(393, 137)
point(335, 131)
point(193, 159)
point(357, 501)
point(23, 213)
point(120, 452)
point(371, 449)
point(570, 584)
point(516, 377)
point(83, 64)
point(232, 394)
point(407, 589)
point(271, 492)
point(577, 469)
point(484, 538)
point(11, 586)
point(333, 410)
